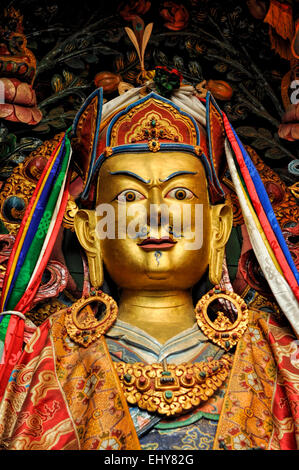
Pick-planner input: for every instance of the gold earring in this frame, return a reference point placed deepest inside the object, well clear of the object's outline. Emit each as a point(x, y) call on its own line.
point(81, 324)
point(221, 224)
point(223, 330)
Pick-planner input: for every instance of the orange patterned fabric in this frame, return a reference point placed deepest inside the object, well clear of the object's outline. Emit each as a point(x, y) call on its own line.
point(93, 392)
point(261, 407)
point(285, 406)
point(63, 396)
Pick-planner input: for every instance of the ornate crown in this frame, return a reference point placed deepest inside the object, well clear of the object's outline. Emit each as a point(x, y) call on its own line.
point(150, 124)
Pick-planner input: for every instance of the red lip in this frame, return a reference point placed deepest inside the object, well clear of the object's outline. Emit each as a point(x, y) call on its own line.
point(156, 244)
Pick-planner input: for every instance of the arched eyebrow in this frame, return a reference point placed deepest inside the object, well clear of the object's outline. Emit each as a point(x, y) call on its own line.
point(178, 173)
point(130, 173)
point(139, 178)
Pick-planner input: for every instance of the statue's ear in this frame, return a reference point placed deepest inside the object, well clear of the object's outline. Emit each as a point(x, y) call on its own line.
point(85, 228)
point(221, 225)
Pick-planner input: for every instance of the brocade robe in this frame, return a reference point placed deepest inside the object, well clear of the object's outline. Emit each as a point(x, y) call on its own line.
point(64, 396)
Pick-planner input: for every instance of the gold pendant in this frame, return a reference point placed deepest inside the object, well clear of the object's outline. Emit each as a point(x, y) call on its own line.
point(82, 325)
point(223, 329)
point(173, 390)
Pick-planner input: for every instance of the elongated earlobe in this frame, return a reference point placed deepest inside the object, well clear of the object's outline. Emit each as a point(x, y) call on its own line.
point(221, 225)
point(85, 227)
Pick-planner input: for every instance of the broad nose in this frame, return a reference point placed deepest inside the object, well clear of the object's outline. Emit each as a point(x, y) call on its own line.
point(155, 201)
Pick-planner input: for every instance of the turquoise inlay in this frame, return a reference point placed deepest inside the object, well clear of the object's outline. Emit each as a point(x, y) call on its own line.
point(191, 420)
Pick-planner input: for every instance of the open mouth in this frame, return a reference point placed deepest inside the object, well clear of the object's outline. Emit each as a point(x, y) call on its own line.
point(156, 244)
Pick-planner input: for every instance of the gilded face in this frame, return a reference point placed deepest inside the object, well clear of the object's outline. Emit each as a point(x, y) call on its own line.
point(161, 252)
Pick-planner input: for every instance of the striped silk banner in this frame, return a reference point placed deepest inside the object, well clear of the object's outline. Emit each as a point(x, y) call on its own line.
point(30, 254)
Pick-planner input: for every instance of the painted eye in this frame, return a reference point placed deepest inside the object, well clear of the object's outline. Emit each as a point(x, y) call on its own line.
point(180, 194)
point(130, 195)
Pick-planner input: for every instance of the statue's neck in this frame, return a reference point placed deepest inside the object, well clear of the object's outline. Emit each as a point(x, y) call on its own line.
point(162, 314)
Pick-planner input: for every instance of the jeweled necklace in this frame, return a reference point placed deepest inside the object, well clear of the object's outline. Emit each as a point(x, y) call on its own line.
point(168, 389)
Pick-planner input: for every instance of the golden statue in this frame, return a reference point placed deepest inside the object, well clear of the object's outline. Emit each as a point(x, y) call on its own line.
point(180, 361)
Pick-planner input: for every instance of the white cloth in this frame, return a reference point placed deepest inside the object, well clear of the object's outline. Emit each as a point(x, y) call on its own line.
point(278, 284)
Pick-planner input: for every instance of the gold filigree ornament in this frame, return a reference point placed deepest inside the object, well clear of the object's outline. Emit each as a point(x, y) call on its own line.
point(69, 214)
point(172, 390)
point(81, 322)
point(222, 316)
point(18, 189)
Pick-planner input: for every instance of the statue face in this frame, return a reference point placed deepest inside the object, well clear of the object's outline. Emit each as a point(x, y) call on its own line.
point(155, 256)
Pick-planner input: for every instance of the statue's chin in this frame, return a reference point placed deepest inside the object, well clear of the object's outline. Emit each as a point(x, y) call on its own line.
point(157, 275)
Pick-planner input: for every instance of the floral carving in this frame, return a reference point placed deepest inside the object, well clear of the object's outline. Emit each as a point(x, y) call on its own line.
point(128, 10)
point(176, 16)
